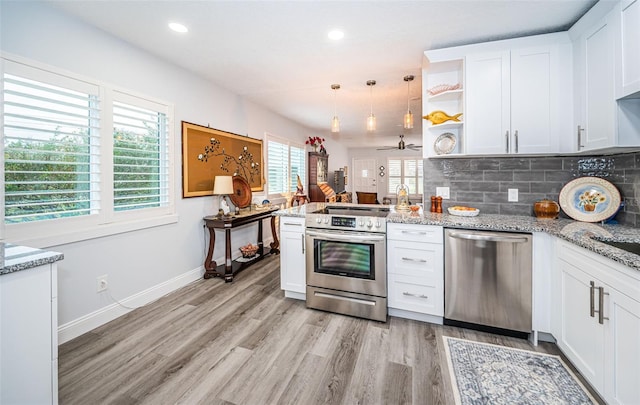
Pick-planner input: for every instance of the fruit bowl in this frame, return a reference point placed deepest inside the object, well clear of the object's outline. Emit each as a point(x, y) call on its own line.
point(249, 250)
point(463, 211)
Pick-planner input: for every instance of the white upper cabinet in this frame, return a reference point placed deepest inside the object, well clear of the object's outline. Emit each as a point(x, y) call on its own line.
point(628, 82)
point(606, 69)
point(594, 52)
point(516, 98)
point(512, 101)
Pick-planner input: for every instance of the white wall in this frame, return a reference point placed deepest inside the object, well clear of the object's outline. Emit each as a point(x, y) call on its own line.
point(142, 264)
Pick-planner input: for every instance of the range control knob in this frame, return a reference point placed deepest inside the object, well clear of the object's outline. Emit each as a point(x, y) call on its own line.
point(378, 224)
point(318, 220)
point(369, 224)
point(361, 222)
point(326, 220)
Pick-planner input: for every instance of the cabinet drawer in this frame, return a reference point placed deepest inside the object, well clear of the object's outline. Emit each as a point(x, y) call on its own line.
point(415, 259)
point(415, 233)
point(292, 224)
point(414, 294)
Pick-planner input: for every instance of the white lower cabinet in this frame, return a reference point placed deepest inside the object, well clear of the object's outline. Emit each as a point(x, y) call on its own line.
point(292, 257)
point(415, 271)
point(29, 336)
point(599, 325)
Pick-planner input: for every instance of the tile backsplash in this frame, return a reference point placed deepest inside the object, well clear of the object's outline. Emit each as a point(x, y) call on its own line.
point(483, 182)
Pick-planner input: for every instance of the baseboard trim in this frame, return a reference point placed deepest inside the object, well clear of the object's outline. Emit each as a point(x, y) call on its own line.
point(86, 323)
point(416, 316)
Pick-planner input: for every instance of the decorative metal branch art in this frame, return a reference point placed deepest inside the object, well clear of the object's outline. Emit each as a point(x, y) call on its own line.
point(245, 165)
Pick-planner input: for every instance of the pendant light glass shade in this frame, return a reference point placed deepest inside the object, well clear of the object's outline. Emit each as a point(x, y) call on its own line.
point(408, 116)
point(371, 120)
point(335, 122)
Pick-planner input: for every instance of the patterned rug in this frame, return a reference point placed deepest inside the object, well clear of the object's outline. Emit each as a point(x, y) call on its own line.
point(483, 373)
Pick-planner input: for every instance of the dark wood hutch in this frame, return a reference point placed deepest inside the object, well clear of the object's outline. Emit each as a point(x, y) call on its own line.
point(318, 165)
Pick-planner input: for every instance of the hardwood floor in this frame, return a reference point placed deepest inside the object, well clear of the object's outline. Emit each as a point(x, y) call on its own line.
point(244, 343)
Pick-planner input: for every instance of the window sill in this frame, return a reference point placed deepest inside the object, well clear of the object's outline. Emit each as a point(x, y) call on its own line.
point(82, 234)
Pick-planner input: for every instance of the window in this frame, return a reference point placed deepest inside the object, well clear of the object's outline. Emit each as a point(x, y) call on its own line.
point(140, 157)
point(285, 161)
point(405, 171)
point(76, 150)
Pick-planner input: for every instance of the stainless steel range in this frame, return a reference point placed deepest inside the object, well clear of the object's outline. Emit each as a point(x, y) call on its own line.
point(346, 260)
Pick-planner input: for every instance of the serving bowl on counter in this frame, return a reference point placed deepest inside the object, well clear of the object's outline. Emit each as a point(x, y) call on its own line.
point(463, 211)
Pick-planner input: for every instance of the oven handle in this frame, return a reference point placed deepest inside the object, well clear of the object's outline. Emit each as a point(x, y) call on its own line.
point(347, 238)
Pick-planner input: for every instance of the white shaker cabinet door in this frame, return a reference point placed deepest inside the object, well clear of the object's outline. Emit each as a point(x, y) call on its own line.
point(582, 338)
point(487, 111)
point(629, 59)
point(532, 97)
point(292, 255)
point(622, 355)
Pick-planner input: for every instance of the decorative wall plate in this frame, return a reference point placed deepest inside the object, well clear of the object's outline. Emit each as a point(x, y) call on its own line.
point(589, 199)
point(445, 143)
point(241, 196)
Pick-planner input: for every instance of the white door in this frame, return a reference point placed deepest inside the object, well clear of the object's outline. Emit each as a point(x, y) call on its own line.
point(364, 175)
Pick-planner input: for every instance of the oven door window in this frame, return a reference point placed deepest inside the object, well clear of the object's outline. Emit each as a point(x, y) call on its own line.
point(347, 259)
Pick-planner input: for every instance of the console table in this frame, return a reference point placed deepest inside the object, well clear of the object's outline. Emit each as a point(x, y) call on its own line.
point(227, 223)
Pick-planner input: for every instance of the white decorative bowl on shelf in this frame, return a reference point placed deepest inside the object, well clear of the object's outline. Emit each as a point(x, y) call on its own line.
point(463, 211)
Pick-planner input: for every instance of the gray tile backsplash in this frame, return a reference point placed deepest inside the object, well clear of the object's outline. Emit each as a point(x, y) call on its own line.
point(483, 182)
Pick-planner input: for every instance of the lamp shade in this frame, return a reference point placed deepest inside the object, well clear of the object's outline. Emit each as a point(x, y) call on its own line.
point(223, 185)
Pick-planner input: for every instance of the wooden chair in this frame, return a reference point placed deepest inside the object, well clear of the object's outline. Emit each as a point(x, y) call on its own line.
point(367, 198)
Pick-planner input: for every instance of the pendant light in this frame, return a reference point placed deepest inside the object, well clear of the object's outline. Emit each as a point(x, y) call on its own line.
point(335, 122)
point(408, 116)
point(371, 120)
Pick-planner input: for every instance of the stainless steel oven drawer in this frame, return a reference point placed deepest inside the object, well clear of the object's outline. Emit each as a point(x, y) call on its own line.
point(341, 302)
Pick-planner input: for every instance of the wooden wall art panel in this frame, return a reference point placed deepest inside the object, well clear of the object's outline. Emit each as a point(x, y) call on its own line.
point(209, 152)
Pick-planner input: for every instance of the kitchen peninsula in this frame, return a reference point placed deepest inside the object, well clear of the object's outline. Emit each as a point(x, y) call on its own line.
point(28, 325)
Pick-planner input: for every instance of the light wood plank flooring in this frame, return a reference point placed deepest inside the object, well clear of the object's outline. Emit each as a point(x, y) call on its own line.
point(244, 343)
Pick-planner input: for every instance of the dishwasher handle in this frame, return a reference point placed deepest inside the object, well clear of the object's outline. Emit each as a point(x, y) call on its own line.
point(488, 238)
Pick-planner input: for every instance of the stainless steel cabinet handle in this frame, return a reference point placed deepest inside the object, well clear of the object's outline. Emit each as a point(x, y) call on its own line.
point(414, 233)
point(601, 295)
point(580, 145)
point(302, 237)
point(515, 138)
point(506, 135)
point(408, 259)
point(291, 223)
point(488, 238)
point(415, 295)
point(592, 310)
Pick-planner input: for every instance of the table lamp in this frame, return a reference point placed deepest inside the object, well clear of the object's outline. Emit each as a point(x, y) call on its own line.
point(223, 186)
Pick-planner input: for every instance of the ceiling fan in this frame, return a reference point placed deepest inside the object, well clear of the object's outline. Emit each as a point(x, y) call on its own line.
point(402, 146)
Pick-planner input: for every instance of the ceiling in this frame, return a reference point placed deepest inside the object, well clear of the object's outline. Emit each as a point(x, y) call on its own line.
point(277, 53)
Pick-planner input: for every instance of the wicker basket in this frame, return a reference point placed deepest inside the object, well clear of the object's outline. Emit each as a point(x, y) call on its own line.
point(249, 250)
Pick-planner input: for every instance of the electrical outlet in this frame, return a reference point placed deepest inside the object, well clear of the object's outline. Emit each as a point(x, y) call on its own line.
point(513, 195)
point(102, 283)
point(443, 192)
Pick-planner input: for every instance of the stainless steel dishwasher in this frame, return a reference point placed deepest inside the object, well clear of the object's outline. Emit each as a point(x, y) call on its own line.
point(488, 279)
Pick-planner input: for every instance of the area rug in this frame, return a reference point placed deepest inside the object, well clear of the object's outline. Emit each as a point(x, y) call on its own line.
point(483, 373)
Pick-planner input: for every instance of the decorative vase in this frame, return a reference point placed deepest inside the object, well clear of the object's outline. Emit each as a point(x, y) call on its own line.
point(589, 207)
point(315, 148)
point(546, 209)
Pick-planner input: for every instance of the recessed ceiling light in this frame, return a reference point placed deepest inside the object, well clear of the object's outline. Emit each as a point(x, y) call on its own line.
point(177, 27)
point(336, 34)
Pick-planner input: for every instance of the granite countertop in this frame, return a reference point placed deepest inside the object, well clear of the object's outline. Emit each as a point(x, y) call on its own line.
point(16, 258)
point(576, 232)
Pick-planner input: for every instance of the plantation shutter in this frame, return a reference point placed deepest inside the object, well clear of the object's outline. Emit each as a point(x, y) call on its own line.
point(298, 167)
point(278, 167)
point(140, 154)
point(395, 175)
point(51, 142)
